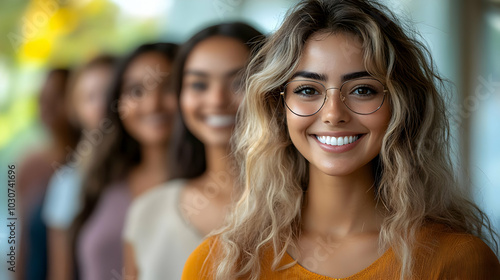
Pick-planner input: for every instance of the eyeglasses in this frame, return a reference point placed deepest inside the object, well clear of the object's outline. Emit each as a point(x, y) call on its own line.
point(362, 96)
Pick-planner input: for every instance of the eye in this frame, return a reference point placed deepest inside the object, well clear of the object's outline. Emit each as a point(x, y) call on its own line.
point(199, 86)
point(306, 91)
point(137, 91)
point(363, 91)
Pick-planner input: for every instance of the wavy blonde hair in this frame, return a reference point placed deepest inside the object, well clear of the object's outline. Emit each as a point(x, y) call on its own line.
point(414, 176)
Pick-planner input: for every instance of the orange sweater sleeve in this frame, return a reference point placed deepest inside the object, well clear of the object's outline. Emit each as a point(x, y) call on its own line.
point(198, 265)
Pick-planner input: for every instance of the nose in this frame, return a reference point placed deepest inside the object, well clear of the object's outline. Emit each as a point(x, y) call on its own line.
point(219, 95)
point(152, 100)
point(334, 111)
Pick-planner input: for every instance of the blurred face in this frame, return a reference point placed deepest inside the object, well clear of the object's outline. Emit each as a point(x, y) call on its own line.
point(208, 99)
point(89, 96)
point(51, 102)
point(147, 108)
point(331, 59)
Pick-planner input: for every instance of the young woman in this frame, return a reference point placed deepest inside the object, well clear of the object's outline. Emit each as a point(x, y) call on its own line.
point(130, 158)
point(87, 96)
point(165, 225)
point(35, 171)
point(343, 145)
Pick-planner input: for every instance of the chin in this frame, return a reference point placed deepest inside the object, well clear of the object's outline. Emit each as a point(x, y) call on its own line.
point(336, 172)
point(336, 169)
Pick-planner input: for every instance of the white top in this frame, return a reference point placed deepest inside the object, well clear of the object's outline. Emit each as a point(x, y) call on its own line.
point(162, 239)
point(62, 200)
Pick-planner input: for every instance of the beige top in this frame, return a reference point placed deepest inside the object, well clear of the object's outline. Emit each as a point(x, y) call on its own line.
point(162, 239)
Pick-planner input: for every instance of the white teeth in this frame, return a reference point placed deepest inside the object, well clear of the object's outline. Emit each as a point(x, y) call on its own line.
point(337, 141)
point(220, 120)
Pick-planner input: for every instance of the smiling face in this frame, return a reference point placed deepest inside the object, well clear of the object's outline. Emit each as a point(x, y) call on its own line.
point(147, 108)
point(336, 141)
point(89, 96)
point(208, 99)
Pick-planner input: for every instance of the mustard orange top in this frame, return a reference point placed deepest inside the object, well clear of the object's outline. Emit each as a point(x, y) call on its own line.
point(444, 255)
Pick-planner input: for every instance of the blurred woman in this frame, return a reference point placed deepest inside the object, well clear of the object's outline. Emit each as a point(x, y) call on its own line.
point(87, 96)
point(130, 159)
point(166, 224)
point(35, 172)
point(344, 152)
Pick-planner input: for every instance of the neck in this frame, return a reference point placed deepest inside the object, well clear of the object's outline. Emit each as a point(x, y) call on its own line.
point(219, 169)
point(154, 159)
point(341, 205)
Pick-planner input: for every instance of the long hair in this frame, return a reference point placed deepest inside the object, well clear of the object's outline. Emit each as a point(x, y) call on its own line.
point(118, 151)
point(188, 153)
point(414, 177)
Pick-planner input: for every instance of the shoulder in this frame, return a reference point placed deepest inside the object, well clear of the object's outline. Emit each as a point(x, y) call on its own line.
point(456, 254)
point(62, 198)
point(148, 207)
point(158, 196)
point(200, 262)
point(65, 175)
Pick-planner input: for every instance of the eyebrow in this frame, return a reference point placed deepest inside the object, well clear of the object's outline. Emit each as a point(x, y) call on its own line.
point(309, 75)
point(354, 75)
point(196, 73)
point(322, 77)
point(206, 75)
point(130, 84)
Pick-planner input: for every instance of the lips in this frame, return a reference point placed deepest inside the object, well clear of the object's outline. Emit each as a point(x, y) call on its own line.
point(220, 121)
point(156, 119)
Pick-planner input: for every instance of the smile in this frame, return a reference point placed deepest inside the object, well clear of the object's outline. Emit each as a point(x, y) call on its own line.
point(337, 141)
point(220, 120)
point(156, 119)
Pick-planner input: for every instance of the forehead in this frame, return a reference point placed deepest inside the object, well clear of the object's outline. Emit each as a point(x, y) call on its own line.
point(332, 55)
point(217, 55)
point(145, 64)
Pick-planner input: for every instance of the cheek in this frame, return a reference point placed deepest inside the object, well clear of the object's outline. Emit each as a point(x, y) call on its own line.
point(297, 127)
point(170, 103)
point(189, 105)
point(128, 110)
point(378, 123)
point(236, 101)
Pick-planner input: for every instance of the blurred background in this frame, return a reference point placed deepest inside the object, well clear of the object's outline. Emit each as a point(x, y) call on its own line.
point(463, 36)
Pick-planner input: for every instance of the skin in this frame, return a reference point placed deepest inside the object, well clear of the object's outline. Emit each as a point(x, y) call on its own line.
point(340, 219)
point(210, 71)
point(146, 107)
point(147, 111)
point(89, 96)
point(213, 63)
